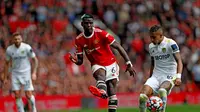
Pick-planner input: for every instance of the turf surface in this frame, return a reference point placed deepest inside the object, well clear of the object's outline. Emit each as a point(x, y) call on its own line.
point(177, 108)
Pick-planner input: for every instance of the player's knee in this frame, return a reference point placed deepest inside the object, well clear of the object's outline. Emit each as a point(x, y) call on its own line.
point(162, 92)
point(113, 102)
point(17, 95)
point(28, 94)
point(143, 97)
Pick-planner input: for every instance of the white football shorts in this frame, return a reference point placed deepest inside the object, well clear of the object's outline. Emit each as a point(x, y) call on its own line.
point(155, 81)
point(22, 79)
point(112, 71)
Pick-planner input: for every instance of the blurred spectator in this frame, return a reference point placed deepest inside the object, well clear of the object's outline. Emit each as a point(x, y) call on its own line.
point(196, 73)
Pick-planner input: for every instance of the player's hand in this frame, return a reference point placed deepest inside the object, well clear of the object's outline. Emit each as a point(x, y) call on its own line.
point(34, 76)
point(177, 82)
point(131, 70)
point(73, 58)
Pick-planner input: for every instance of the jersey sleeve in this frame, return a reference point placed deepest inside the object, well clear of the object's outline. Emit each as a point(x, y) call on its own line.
point(79, 49)
point(109, 39)
point(174, 47)
point(7, 55)
point(30, 52)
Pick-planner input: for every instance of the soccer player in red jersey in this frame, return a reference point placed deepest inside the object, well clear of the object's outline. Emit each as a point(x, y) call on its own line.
point(96, 45)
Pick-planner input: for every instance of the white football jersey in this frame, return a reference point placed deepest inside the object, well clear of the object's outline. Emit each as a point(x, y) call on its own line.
point(20, 57)
point(164, 61)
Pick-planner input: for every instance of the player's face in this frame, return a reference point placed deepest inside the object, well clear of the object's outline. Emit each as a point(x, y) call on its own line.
point(87, 25)
point(156, 37)
point(17, 40)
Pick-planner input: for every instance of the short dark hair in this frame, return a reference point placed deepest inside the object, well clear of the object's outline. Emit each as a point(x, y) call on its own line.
point(16, 34)
point(155, 28)
point(84, 16)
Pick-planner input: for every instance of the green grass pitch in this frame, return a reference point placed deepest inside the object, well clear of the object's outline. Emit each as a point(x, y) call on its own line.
point(177, 108)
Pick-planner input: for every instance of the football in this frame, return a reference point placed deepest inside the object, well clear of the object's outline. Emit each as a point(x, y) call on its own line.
point(154, 104)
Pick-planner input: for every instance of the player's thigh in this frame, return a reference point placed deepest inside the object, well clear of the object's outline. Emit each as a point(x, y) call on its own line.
point(15, 82)
point(28, 85)
point(166, 85)
point(146, 89)
point(112, 72)
point(99, 72)
point(151, 86)
point(167, 82)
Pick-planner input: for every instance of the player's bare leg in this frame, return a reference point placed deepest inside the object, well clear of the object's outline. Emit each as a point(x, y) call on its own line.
point(111, 90)
point(144, 94)
point(165, 86)
point(101, 89)
point(19, 102)
point(31, 100)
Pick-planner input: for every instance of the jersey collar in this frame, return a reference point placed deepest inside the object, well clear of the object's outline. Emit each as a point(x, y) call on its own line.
point(163, 41)
point(90, 35)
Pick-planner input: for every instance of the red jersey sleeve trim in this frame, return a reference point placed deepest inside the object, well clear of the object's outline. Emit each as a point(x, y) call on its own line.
point(112, 42)
point(79, 53)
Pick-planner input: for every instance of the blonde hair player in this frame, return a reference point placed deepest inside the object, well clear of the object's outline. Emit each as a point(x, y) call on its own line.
point(166, 67)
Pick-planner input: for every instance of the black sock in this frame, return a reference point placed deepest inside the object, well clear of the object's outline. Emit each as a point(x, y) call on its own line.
point(112, 104)
point(101, 85)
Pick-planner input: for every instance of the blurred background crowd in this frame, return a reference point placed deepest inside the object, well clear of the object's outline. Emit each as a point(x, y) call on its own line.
point(48, 26)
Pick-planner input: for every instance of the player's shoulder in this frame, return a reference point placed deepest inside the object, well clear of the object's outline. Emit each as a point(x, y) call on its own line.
point(10, 47)
point(79, 36)
point(151, 45)
point(25, 45)
point(170, 41)
point(98, 30)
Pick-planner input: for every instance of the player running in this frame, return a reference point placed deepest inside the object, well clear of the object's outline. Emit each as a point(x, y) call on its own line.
point(166, 67)
point(96, 45)
point(18, 55)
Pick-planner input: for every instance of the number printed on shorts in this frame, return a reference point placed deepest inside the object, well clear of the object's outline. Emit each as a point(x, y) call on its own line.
point(113, 70)
point(27, 83)
point(169, 77)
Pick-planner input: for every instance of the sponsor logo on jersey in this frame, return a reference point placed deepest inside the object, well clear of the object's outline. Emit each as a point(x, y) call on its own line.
point(163, 50)
point(162, 57)
point(20, 57)
point(88, 51)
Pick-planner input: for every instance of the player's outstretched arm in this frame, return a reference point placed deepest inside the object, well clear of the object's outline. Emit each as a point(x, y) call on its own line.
point(177, 57)
point(76, 58)
point(35, 67)
point(123, 53)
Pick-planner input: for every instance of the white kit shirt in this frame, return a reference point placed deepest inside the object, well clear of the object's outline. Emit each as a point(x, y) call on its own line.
point(164, 61)
point(20, 57)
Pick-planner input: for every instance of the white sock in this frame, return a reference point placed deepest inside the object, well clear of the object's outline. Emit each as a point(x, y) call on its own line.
point(32, 102)
point(163, 95)
point(142, 102)
point(20, 105)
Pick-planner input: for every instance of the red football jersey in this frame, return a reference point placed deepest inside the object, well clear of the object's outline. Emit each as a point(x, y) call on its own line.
point(96, 47)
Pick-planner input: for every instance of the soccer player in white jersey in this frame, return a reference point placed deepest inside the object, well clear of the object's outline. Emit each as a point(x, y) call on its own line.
point(166, 68)
point(18, 55)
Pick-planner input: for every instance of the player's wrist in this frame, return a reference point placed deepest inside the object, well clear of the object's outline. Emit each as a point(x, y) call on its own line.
point(178, 75)
point(129, 63)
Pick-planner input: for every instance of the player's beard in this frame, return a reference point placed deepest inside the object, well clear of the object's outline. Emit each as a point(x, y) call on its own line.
point(17, 44)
